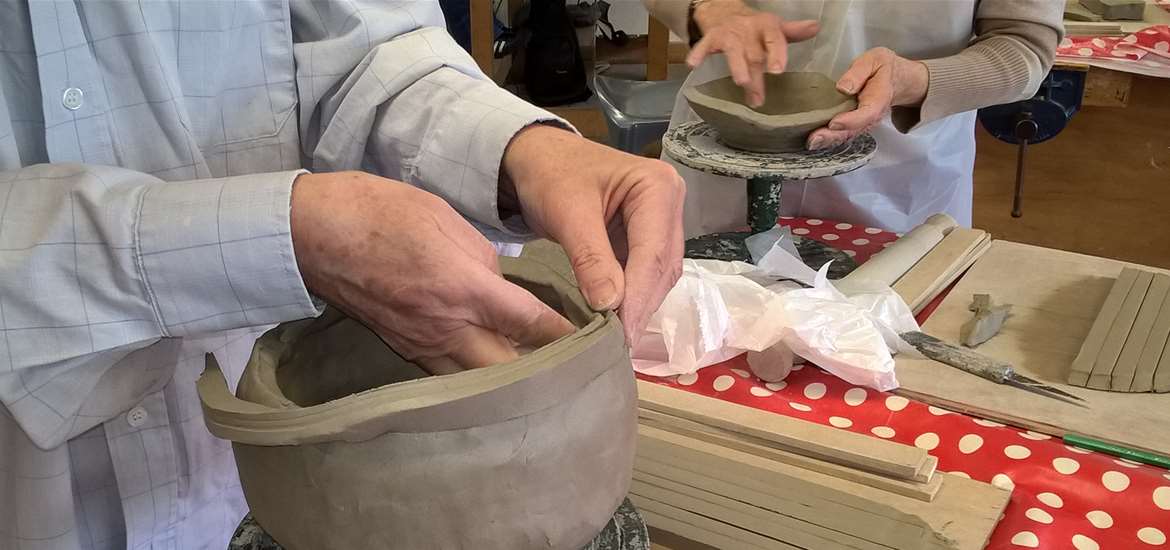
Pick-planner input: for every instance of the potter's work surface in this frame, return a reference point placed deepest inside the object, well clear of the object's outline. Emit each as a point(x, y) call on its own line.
point(1055, 298)
point(696, 145)
point(625, 531)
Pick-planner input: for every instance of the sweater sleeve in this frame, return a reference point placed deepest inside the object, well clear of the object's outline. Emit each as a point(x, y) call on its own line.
point(1013, 49)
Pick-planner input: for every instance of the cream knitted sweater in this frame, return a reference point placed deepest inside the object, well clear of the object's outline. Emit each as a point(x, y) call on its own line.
point(1012, 47)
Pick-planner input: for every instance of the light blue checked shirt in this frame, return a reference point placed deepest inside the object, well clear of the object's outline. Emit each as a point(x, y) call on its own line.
point(147, 153)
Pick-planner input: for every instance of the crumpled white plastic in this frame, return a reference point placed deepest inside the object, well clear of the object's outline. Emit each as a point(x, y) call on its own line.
point(776, 308)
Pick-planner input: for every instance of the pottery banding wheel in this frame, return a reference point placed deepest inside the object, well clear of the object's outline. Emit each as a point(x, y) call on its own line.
point(697, 145)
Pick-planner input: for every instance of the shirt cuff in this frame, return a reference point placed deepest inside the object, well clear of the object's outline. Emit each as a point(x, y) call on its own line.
point(471, 158)
point(218, 254)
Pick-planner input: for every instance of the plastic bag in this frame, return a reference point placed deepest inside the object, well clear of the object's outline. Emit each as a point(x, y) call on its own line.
point(776, 308)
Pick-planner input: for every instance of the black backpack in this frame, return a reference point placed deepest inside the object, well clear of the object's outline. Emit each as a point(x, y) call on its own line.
point(554, 72)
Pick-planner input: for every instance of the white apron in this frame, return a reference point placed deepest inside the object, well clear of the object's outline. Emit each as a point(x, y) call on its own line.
point(912, 175)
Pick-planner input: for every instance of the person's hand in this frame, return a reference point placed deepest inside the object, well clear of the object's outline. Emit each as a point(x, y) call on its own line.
point(881, 79)
point(405, 264)
point(580, 194)
point(753, 41)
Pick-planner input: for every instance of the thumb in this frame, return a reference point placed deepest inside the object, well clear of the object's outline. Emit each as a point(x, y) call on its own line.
point(586, 241)
point(799, 31)
point(515, 313)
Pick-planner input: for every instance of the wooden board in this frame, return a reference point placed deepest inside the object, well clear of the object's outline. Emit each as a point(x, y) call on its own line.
point(962, 515)
point(1153, 351)
point(1055, 298)
point(924, 491)
point(1127, 362)
point(1082, 366)
point(657, 50)
point(1102, 376)
point(790, 434)
point(943, 263)
point(742, 515)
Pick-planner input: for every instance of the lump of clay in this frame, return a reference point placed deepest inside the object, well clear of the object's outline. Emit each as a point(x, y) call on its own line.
point(795, 104)
point(1117, 10)
point(343, 444)
point(986, 322)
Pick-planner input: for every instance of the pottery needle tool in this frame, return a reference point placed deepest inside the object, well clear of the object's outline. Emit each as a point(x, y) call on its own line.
point(984, 367)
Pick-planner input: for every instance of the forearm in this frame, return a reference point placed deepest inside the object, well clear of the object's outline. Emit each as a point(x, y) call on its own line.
point(1014, 47)
point(96, 258)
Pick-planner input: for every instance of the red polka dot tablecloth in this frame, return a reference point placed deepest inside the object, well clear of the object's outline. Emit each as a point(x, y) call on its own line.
point(1146, 51)
point(1063, 497)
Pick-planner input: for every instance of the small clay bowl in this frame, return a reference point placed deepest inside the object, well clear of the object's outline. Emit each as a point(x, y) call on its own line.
point(795, 104)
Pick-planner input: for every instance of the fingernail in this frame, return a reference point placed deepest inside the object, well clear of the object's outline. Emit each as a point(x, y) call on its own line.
point(847, 87)
point(836, 126)
point(757, 100)
point(816, 143)
point(775, 68)
point(601, 294)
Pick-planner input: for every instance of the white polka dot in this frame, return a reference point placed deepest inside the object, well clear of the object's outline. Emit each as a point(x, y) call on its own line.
point(814, 221)
point(741, 373)
point(928, 441)
point(1131, 39)
point(872, 230)
point(1078, 450)
point(1081, 542)
point(816, 390)
point(800, 231)
point(970, 443)
point(850, 253)
point(797, 367)
point(860, 242)
point(896, 403)
point(723, 383)
point(899, 235)
point(776, 386)
point(987, 423)
point(855, 396)
point(1027, 539)
point(887, 245)
point(1038, 515)
point(1052, 500)
point(937, 411)
point(844, 226)
point(1098, 42)
point(1151, 31)
point(961, 474)
point(787, 218)
point(1152, 536)
point(1035, 436)
point(840, 421)
point(760, 392)
point(1003, 481)
point(688, 378)
point(1099, 519)
point(1017, 452)
point(1085, 52)
point(1066, 42)
point(1167, 476)
point(830, 236)
point(1115, 481)
point(884, 432)
point(1118, 53)
point(800, 407)
point(1127, 463)
point(1162, 498)
point(1162, 46)
point(1065, 465)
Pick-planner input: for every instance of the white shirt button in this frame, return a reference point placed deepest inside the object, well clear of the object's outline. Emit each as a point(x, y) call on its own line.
point(73, 99)
point(136, 417)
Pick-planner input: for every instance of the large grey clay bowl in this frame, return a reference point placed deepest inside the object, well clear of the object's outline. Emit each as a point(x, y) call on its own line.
point(795, 104)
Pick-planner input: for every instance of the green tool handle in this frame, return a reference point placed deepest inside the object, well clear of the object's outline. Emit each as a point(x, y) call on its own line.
point(1135, 455)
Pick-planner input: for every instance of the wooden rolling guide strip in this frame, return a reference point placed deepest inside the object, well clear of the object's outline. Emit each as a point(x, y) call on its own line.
point(940, 267)
point(714, 473)
point(1126, 349)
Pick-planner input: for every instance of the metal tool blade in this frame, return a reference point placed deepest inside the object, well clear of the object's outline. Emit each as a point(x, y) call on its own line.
point(1043, 390)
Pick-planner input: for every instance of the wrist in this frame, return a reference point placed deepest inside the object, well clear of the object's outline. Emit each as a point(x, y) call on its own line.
point(914, 82)
point(710, 13)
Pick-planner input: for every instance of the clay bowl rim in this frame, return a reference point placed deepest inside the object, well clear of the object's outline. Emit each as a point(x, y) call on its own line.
point(766, 121)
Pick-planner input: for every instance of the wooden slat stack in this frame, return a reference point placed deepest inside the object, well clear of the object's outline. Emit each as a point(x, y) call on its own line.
point(733, 477)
